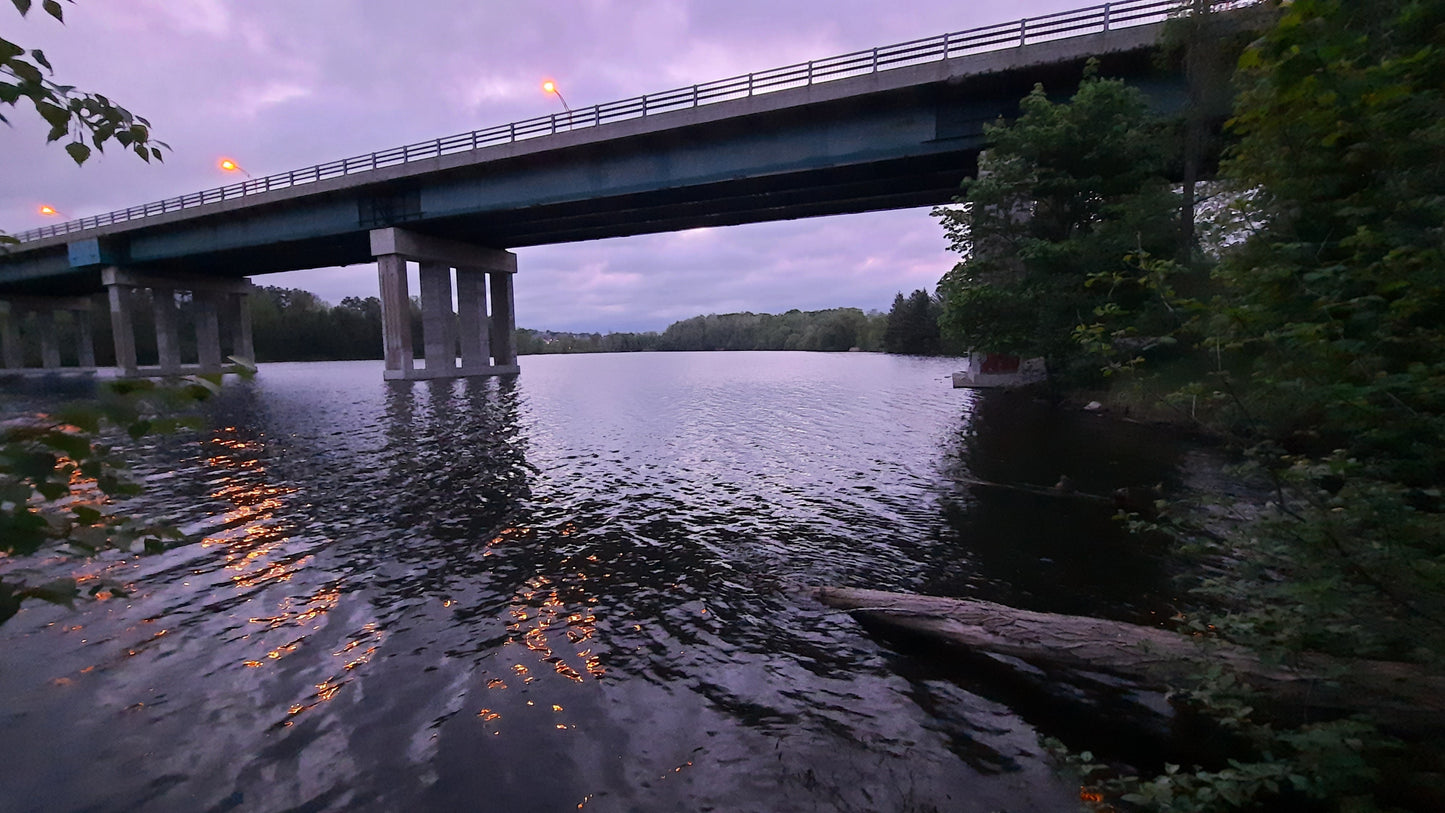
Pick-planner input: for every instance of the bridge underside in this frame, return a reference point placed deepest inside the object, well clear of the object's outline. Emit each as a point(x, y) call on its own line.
point(903, 138)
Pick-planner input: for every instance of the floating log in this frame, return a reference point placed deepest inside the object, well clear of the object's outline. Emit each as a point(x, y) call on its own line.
point(1403, 698)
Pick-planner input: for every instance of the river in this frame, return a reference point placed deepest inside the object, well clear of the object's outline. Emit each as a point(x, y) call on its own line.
point(576, 589)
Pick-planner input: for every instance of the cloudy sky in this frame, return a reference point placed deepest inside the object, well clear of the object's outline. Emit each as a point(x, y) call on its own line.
point(282, 84)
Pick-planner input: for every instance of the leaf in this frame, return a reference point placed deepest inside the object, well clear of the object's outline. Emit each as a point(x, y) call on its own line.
point(26, 72)
point(54, 115)
point(78, 151)
point(60, 591)
point(52, 491)
point(83, 416)
point(76, 447)
point(39, 56)
point(22, 6)
point(52, 7)
point(85, 515)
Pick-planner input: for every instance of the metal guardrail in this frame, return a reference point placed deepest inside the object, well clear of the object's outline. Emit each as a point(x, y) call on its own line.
point(1028, 31)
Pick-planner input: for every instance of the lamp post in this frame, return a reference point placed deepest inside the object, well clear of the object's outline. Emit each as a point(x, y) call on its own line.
point(551, 87)
point(231, 166)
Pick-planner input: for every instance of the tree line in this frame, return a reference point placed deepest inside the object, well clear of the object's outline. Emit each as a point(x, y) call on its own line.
point(291, 324)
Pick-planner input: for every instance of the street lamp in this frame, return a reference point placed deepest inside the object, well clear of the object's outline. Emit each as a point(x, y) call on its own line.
point(50, 211)
point(231, 166)
point(551, 87)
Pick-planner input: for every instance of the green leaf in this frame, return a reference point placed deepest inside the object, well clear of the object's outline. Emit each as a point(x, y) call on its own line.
point(54, 115)
point(76, 447)
point(60, 591)
point(27, 72)
point(83, 416)
point(22, 6)
point(85, 515)
point(39, 56)
point(53, 9)
point(52, 491)
point(78, 151)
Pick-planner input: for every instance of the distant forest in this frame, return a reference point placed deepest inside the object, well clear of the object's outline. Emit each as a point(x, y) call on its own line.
point(294, 325)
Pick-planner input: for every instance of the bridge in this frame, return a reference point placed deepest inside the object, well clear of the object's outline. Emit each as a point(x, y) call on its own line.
point(885, 128)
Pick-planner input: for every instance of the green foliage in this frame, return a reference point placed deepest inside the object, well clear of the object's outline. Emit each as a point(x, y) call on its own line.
point(1331, 322)
point(1322, 762)
point(912, 326)
point(78, 116)
point(1323, 337)
point(1064, 194)
point(290, 324)
point(834, 330)
point(63, 484)
point(1337, 304)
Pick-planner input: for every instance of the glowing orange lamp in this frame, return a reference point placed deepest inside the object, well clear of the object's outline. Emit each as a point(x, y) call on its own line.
point(231, 166)
point(551, 87)
point(49, 211)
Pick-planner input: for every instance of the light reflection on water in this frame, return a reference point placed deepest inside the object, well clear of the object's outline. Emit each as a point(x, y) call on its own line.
point(575, 589)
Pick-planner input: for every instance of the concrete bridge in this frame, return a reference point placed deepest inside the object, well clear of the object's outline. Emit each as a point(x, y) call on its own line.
point(886, 128)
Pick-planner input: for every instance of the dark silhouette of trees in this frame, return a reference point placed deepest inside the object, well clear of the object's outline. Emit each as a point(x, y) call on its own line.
point(912, 326)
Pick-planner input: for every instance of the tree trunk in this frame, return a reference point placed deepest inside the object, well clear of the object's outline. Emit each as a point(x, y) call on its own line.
point(1402, 698)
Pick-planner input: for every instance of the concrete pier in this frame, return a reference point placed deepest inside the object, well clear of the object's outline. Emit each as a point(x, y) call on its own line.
point(207, 294)
point(38, 319)
point(485, 340)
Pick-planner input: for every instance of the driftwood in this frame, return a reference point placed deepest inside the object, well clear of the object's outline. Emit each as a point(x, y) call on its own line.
point(1401, 697)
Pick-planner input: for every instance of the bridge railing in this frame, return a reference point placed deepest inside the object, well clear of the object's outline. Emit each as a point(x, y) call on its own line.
point(1030, 30)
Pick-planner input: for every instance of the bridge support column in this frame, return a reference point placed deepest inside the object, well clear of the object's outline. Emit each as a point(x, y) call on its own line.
point(122, 324)
point(472, 322)
point(243, 345)
point(395, 316)
point(168, 340)
point(504, 320)
point(437, 318)
point(208, 330)
point(207, 293)
point(12, 351)
point(38, 317)
point(487, 346)
point(49, 339)
point(84, 340)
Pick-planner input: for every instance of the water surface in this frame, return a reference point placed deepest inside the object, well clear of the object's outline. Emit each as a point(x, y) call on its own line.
point(577, 589)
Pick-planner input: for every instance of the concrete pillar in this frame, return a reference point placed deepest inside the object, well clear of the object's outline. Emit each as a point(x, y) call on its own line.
point(49, 330)
point(11, 350)
point(504, 320)
point(208, 331)
point(243, 344)
point(472, 320)
point(437, 318)
point(393, 247)
point(122, 326)
point(168, 345)
point(395, 315)
point(85, 339)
